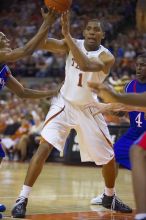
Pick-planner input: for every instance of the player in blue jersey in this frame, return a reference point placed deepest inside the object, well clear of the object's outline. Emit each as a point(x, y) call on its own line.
point(138, 149)
point(136, 129)
point(6, 79)
point(137, 123)
point(9, 55)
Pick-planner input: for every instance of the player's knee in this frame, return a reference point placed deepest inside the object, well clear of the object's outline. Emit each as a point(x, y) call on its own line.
point(112, 162)
point(43, 151)
point(135, 152)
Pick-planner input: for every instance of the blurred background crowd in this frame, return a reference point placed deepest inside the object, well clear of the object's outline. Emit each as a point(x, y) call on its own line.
point(21, 120)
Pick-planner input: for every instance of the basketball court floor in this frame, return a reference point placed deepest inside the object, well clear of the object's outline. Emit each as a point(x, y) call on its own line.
point(63, 192)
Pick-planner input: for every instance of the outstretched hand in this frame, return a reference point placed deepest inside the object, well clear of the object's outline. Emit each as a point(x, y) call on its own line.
point(65, 22)
point(110, 108)
point(49, 16)
point(103, 91)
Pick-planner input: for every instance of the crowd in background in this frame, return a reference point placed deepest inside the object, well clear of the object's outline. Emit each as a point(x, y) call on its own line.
point(21, 120)
point(21, 21)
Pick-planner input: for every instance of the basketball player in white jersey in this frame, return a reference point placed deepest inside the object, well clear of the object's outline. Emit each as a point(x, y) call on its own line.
point(87, 60)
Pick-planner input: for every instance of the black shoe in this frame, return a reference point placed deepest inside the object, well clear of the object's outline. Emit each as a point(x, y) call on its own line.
point(115, 204)
point(19, 209)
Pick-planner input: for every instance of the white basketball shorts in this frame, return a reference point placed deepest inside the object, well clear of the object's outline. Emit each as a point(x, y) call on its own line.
point(92, 131)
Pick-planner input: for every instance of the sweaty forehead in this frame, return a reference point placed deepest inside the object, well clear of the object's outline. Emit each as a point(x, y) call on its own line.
point(93, 24)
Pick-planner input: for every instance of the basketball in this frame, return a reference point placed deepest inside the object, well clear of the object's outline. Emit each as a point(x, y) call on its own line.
point(58, 5)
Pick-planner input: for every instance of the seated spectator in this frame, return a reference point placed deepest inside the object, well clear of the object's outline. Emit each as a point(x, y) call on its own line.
point(28, 142)
point(12, 137)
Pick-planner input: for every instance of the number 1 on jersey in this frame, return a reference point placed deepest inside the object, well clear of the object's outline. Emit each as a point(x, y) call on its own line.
point(80, 80)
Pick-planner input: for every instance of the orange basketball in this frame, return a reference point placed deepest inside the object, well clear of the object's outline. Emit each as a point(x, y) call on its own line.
point(58, 5)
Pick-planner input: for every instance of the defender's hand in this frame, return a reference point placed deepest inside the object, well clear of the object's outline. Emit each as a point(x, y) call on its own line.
point(104, 91)
point(50, 16)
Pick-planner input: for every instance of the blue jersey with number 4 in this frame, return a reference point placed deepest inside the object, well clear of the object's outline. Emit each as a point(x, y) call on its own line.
point(136, 129)
point(137, 119)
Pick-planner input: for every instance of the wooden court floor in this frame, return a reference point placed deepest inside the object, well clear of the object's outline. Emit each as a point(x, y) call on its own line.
point(63, 192)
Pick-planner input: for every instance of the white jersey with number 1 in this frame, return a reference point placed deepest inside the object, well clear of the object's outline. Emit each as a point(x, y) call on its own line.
point(75, 108)
point(75, 88)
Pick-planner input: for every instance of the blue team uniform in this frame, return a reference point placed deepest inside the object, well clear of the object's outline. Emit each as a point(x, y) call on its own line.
point(136, 129)
point(4, 74)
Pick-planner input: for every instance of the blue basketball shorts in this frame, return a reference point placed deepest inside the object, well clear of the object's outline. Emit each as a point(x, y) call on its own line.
point(122, 150)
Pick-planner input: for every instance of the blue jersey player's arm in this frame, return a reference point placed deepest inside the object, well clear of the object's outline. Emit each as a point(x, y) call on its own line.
point(8, 55)
point(108, 95)
point(23, 92)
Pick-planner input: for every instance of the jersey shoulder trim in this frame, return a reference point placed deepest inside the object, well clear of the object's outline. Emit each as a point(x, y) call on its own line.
point(128, 86)
point(105, 49)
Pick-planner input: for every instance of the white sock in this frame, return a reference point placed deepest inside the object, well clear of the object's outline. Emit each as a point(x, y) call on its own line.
point(25, 191)
point(109, 191)
point(140, 216)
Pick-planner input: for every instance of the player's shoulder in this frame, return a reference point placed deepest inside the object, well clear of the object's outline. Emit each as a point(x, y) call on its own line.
point(129, 86)
point(106, 50)
point(4, 74)
point(79, 42)
point(4, 54)
point(106, 55)
point(4, 70)
point(2, 67)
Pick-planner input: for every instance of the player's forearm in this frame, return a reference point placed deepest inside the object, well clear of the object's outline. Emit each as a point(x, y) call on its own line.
point(132, 99)
point(35, 94)
point(33, 43)
point(28, 49)
point(82, 60)
point(127, 108)
point(53, 45)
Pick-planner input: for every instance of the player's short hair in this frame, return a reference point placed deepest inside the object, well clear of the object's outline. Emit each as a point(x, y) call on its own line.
point(97, 21)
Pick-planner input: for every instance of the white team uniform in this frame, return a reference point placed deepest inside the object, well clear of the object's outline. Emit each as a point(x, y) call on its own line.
point(75, 107)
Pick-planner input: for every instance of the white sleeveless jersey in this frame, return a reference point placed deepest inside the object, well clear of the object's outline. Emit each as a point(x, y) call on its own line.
point(75, 88)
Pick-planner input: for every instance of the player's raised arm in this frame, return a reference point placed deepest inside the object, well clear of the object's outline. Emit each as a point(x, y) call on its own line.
point(54, 45)
point(87, 64)
point(8, 55)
